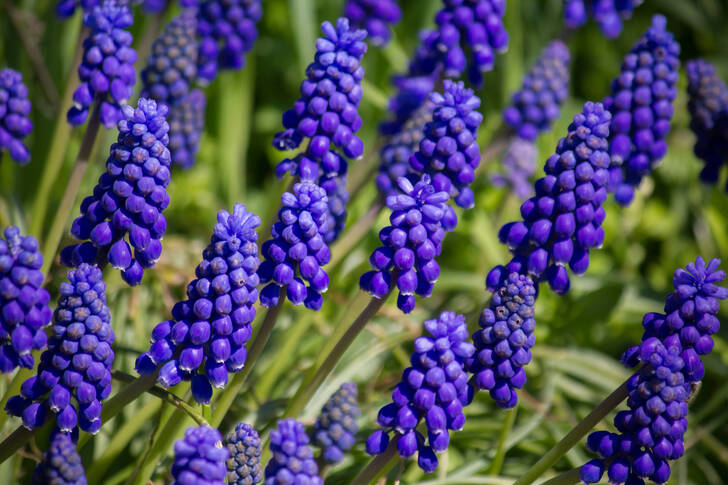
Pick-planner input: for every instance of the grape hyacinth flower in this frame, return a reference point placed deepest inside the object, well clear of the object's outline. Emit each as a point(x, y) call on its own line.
point(335, 428)
point(61, 463)
point(206, 338)
point(244, 446)
point(125, 211)
point(545, 88)
point(607, 13)
point(449, 150)
point(433, 388)
point(172, 63)
point(24, 308)
point(409, 245)
point(338, 196)
point(375, 16)
point(14, 110)
point(186, 123)
point(66, 8)
point(708, 106)
point(326, 112)
point(77, 364)
point(107, 68)
point(641, 108)
point(227, 30)
point(519, 163)
point(292, 460)
point(562, 222)
point(200, 457)
point(503, 341)
point(297, 250)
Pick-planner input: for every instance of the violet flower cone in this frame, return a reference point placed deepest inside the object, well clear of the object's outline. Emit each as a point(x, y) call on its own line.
point(297, 251)
point(186, 124)
point(61, 463)
point(122, 222)
point(244, 446)
point(519, 164)
point(74, 375)
point(433, 388)
point(14, 110)
point(641, 108)
point(409, 244)
point(375, 16)
point(227, 30)
point(292, 461)
point(335, 428)
point(562, 222)
point(24, 311)
point(609, 14)
point(200, 457)
point(106, 71)
point(206, 338)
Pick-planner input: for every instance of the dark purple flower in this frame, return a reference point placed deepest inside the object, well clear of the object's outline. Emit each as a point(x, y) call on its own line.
point(74, 375)
point(292, 461)
point(66, 8)
point(186, 123)
point(244, 446)
point(375, 16)
point(122, 222)
point(641, 108)
point(207, 336)
point(519, 164)
point(607, 13)
point(14, 110)
point(24, 308)
point(61, 463)
point(336, 427)
point(433, 388)
point(200, 457)
point(545, 88)
point(562, 222)
point(107, 68)
point(297, 250)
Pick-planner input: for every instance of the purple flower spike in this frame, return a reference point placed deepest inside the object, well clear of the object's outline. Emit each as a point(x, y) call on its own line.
point(122, 222)
point(545, 88)
point(74, 375)
point(227, 30)
point(207, 336)
point(292, 460)
point(449, 151)
point(200, 457)
point(502, 344)
point(186, 123)
point(375, 16)
point(326, 113)
point(562, 222)
point(336, 427)
point(244, 446)
point(338, 196)
point(14, 110)
point(409, 245)
point(607, 13)
point(24, 311)
point(519, 163)
point(708, 106)
point(61, 463)
point(297, 251)
point(641, 108)
point(107, 69)
point(66, 8)
point(433, 388)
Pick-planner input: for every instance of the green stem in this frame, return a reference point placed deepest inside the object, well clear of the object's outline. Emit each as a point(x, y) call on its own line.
point(500, 454)
point(14, 442)
point(354, 234)
point(567, 478)
point(13, 390)
point(63, 211)
point(378, 465)
point(574, 436)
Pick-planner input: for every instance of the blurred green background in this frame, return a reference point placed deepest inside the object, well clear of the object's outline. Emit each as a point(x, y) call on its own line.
point(580, 336)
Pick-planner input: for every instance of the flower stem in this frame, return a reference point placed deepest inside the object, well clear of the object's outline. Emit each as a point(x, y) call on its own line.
point(378, 465)
point(354, 234)
point(50, 246)
point(567, 478)
point(574, 436)
point(500, 454)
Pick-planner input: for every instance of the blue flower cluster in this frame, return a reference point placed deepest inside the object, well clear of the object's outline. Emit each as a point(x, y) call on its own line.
point(61, 463)
point(200, 457)
point(297, 250)
point(708, 106)
point(545, 88)
point(66, 8)
point(14, 110)
point(503, 341)
point(24, 308)
point(207, 336)
point(607, 13)
point(338, 196)
point(128, 199)
point(77, 365)
point(641, 107)
point(107, 68)
point(449, 151)
point(413, 88)
point(434, 388)
point(375, 16)
point(227, 31)
point(335, 428)
point(186, 123)
point(562, 222)
point(519, 164)
point(292, 460)
point(244, 446)
point(409, 245)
